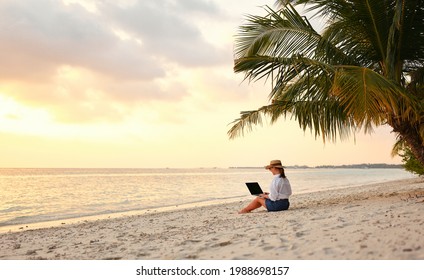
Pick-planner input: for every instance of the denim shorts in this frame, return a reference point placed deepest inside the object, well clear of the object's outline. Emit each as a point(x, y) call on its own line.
point(278, 205)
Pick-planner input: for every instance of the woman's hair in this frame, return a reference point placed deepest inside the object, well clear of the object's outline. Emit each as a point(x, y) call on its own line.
point(282, 174)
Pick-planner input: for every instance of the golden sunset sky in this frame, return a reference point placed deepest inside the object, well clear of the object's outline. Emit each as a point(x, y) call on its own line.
point(142, 84)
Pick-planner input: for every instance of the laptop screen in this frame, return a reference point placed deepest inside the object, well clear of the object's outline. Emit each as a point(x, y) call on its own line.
point(254, 188)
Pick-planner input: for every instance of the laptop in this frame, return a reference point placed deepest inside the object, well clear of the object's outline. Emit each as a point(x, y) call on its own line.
point(254, 188)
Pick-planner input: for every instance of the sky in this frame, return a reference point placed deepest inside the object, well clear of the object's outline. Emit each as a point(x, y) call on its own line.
point(140, 84)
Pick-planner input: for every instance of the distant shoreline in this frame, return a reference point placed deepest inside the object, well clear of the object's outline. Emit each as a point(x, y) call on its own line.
point(351, 166)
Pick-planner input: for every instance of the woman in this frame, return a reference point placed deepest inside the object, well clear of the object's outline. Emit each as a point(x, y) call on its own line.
point(280, 190)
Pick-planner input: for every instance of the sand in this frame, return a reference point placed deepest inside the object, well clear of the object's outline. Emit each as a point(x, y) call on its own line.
point(380, 221)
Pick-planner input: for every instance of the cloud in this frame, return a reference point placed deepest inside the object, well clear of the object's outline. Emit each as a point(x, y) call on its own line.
point(40, 35)
point(167, 29)
point(101, 63)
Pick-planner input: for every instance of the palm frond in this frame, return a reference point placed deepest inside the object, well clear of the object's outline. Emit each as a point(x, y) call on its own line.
point(368, 96)
point(247, 120)
point(398, 147)
point(333, 84)
point(279, 34)
point(324, 119)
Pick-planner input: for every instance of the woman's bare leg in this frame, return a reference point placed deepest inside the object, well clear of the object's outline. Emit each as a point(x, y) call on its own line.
point(256, 203)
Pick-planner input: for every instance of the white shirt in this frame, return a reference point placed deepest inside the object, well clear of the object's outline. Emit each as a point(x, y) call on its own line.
point(280, 188)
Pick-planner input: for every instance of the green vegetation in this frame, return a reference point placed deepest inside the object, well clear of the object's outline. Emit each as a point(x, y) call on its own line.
point(410, 162)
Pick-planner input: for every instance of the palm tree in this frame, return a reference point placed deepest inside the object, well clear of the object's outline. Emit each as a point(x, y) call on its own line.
point(364, 70)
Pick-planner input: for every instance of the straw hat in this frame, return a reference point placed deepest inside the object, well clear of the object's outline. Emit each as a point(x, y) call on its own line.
point(274, 163)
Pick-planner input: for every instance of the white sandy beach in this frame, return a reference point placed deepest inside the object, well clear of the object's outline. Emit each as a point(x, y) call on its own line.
point(380, 221)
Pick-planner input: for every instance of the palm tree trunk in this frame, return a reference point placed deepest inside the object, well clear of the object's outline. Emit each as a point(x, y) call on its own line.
point(410, 134)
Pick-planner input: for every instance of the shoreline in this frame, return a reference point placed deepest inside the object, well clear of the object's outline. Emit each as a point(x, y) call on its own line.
point(19, 227)
point(109, 216)
point(377, 221)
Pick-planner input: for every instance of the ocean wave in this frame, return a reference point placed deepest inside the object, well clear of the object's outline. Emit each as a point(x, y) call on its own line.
point(13, 209)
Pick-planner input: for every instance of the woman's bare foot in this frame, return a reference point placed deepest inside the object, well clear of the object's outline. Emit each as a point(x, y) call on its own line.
point(243, 211)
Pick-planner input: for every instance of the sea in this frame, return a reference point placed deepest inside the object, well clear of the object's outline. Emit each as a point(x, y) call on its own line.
point(36, 195)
